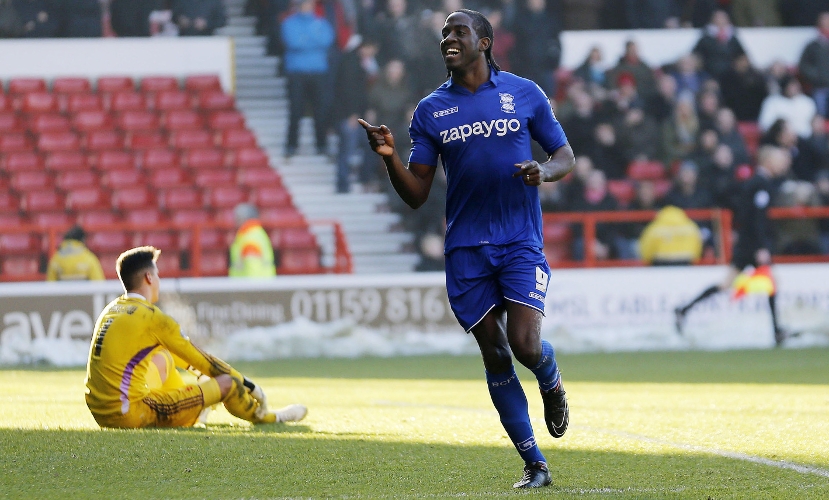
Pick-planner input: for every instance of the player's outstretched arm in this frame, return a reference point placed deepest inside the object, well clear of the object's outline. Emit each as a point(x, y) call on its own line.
point(412, 183)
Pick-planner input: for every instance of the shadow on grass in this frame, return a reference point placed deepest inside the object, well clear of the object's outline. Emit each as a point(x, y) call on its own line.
point(213, 464)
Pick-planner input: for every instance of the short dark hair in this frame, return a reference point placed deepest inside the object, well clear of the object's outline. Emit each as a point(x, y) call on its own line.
point(483, 29)
point(75, 233)
point(132, 263)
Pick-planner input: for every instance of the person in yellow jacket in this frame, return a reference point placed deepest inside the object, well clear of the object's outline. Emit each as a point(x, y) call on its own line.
point(671, 239)
point(251, 254)
point(73, 261)
point(131, 377)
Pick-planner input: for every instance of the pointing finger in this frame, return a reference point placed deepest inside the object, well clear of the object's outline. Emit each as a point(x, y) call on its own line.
point(366, 125)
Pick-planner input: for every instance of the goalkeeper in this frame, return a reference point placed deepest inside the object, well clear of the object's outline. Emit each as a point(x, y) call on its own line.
point(131, 377)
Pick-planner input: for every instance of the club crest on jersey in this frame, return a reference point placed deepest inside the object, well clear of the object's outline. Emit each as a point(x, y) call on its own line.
point(507, 103)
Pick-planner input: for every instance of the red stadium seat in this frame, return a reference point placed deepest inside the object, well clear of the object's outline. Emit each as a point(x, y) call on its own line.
point(215, 100)
point(9, 202)
point(132, 197)
point(261, 176)
point(190, 217)
point(181, 119)
point(237, 139)
point(26, 85)
point(661, 187)
point(14, 142)
point(127, 101)
point(557, 252)
point(66, 161)
point(623, 190)
point(226, 120)
point(171, 99)
point(71, 85)
point(227, 196)
point(295, 237)
point(122, 178)
point(159, 159)
point(20, 162)
point(6, 103)
point(145, 140)
point(90, 120)
point(169, 178)
point(249, 158)
point(103, 140)
point(200, 83)
point(75, 179)
point(42, 201)
point(9, 220)
point(48, 220)
point(133, 121)
point(108, 241)
point(158, 83)
point(115, 84)
point(209, 239)
point(97, 218)
point(224, 216)
point(191, 139)
point(181, 198)
point(165, 240)
point(30, 180)
point(557, 233)
point(751, 135)
point(114, 160)
point(39, 102)
point(9, 122)
point(88, 198)
point(270, 196)
point(170, 265)
point(19, 266)
point(300, 261)
point(145, 216)
point(214, 178)
point(203, 159)
point(646, 170)
point(58, 141)
point(275, 216)
point(48, 122)
point(213, 264)
point(84, 102)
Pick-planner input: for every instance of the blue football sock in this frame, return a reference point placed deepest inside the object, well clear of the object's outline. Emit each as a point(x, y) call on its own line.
point(511, 403)
point(546, 371)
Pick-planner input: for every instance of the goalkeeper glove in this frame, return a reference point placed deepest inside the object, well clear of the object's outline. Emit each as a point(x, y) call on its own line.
point(259, 395)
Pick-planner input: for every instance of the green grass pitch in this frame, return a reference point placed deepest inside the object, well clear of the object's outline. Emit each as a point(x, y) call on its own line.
point(745, 424)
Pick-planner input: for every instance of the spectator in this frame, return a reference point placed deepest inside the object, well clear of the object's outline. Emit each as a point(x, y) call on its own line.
point(592, 70)
point(638, 135)
point(595, 198)
point(689, 76)
point(428, 71)
point(671, 239)
point(198, 17)
point(73, 261)
point(132, 17)
point(537, 46)
point(394, 30)
point(756, 12)
point(574, 189)
point(802, 12)
point(350, 94)
point(251, 254)
point(819, 142)
point(652, 14)
point(37, 17)
point(644, 199)
point(814, 65)
point(718, 46)
point(607, 153)
point(631, 64)
point(730, 136)
point(686, 193)
point(792, 105)
point(581, 122)
point(703, 154)
point(822, 187)
point(391, 100)
point(661, 104)
point(717, 177)
point(805, 161)
point(743, 89)
point(708, 105)
point(501, 51)
point(307, 39)
point(580, 14)
point(798, 236)
point(79, 18)
point(679, 134)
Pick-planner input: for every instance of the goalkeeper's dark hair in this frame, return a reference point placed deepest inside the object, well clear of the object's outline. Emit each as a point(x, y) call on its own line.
point(483, 29)
point(132, 264)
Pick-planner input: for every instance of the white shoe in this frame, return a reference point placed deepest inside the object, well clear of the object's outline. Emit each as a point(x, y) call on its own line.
point(205, 413)
point(291, 413)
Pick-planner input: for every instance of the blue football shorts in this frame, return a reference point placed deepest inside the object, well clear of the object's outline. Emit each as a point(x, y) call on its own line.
point(481, 278)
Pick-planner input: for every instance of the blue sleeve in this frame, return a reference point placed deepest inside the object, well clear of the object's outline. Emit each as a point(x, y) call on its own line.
point(424, 149)
point(544, 127)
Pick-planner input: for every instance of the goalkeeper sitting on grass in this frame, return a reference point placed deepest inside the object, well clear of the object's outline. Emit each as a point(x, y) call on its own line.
point(131, 377)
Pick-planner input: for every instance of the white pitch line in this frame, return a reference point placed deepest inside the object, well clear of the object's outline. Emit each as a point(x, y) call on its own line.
point(780, 464)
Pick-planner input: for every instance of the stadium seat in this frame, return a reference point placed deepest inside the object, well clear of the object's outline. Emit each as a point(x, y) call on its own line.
point(169, 178)
point(30, 180)
point(153, 159)
point(274, 216)
point(19, 162)
point(134, 197)
point(90, 120)
point(200, 83)
point(26, 85)
point(158, 83)
point(57, 220)
point(115, 84)
point(58, 141)
point(14, 142)
point(74, 179)
point(63, 161)
point(557, 233)
point(107, 260)
point(127, 101)
point(213, 264)
point(48, 122)
point(209, 239)
point(20, 266)
point(226, 120)
point(227, 196)
point(623, 190)
point(249, 158)
point(181, 119)
point(270, 196)
point(302, 261)
point(224, 216)
point(9, 122)
point(108, 241)
point(661, 187)
point(751, 135)
point(190, 217)
point(9, 220)
point(214, 178)
point(171, 99)
point(97, 218)
point(88, 198)
point(144, 216)
point(258, 176)
point(215, 100)
point(170, 265)
point(103, 140)
point(181, 198)
point(165, 240)
point(114, 160)
point(84, 102)
point(297, 238)
point(39, 102)
point(237, 139)
point(203, 159)
point(122, 178)
point(71, 85)
point(557, 253)
point(145, 140)
point(6, 103)
point(191, 139)
point(141, 120)
point(42, 201)
point(9, 202)
point(646, 170)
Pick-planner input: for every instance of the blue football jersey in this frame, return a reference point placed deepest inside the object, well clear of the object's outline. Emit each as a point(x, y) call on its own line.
point(480, 137)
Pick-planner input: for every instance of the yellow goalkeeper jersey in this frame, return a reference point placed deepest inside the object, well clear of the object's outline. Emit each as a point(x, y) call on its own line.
point(127, 331)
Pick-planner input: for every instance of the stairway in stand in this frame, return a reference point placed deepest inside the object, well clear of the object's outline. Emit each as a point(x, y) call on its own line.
point(376, 243)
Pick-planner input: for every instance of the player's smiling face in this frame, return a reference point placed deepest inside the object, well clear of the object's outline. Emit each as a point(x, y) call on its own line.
point(460, 45)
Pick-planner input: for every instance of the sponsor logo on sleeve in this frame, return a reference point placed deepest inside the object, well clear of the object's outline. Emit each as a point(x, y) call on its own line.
point(444, 112)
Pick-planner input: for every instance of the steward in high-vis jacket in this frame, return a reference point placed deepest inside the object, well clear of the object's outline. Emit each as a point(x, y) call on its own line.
point(251, 254)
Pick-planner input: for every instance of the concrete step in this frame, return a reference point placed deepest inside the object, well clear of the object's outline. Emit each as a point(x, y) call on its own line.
point(257, 61)
point(253, 72)
point(394, 263)
point(236, 31)
point(260, 92)
point(248, 41)
point(241, 21)
point(249, 50)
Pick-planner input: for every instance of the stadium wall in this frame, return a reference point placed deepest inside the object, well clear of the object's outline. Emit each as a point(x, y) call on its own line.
point(587, 310)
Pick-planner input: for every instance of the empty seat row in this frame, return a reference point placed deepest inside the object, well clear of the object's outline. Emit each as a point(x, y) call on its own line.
point(128, 100)
point(127, 121)
point(73, 85)
point(108, 140)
